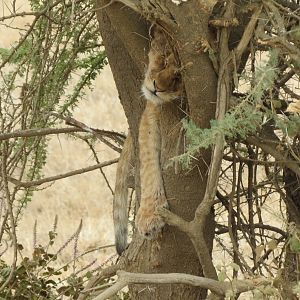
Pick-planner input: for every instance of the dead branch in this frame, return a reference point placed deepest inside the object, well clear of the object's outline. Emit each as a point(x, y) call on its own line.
point(244, 42)
point(61, 176)
point(106, 273)
point(195, 229)
point(281, 43)
point(31, 13)
point(38, 132)
point(101, 134)
point(216, 287)
point(48, 131)
point(278, 155)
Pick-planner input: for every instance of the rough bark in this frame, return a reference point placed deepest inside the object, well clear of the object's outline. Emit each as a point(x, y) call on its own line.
point(125, 36)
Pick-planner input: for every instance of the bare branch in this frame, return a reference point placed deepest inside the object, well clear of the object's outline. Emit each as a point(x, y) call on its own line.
point(270, 149)
point(106, 273)
point(119, 138)
point(47, 131)
point(61, 176)
point(133, 4)
point(203, 210)
point(247, 35)
point(217, 287)
point(282, 43)
point(38, 132)
point(174, 220)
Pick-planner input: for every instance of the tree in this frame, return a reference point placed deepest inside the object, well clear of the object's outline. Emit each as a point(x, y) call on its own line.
point(165, 256)
point(237, 147)
point(238, 35)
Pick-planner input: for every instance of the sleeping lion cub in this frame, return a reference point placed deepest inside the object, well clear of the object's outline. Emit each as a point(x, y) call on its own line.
point(162, 84)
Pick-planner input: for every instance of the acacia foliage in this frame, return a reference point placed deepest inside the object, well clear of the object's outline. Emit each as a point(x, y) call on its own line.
point(43, 76)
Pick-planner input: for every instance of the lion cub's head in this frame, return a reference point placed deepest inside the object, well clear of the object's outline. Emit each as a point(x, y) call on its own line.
point(162, 79)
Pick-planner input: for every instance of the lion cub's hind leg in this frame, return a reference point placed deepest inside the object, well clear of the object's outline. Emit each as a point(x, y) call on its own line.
point(149, 223)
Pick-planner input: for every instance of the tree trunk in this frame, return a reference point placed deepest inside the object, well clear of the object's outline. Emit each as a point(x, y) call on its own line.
point(125, 36)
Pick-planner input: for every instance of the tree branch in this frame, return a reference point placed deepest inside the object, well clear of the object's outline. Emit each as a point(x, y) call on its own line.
point(10, 215)
point(196, 228)
point(247, 35)
point(270, 149)
point(38, 132)
point(217, 287)
point(61, 176)
point(174, 220)
point(46, 131)
point(106, 273)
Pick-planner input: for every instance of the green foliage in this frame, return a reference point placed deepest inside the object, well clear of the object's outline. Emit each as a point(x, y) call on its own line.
point(294, 238)
point(266, 292)
point(38, 277)
point(294, 244)
point(92, 65)
point(264, 78)
point(296, 289)
point(289, 125)
point(46, 72)
point(244, 119)
point(16, 54)
point(238, 123)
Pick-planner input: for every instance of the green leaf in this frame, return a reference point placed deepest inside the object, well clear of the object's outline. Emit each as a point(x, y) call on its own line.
point(294, 243)
point(235, 266)
point(222, 276)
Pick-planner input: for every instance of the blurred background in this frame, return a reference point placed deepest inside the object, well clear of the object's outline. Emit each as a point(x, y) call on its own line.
point(83, 197)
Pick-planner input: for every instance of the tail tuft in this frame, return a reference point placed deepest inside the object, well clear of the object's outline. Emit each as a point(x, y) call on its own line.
point(121, 240)
point(121, 196)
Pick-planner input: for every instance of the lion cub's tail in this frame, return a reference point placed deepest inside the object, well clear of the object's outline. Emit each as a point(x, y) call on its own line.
point(120, 213)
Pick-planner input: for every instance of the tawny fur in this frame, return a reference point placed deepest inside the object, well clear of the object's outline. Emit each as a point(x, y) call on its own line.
point(120, 212)
point(162, 84)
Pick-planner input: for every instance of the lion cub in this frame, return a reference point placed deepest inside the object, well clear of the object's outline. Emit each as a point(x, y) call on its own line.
point(162, 84)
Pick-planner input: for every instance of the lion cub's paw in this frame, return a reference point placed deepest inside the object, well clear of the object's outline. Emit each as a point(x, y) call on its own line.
point(148, 222)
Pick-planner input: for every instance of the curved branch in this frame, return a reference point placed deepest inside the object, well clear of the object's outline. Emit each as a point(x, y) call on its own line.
point(217, 287)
